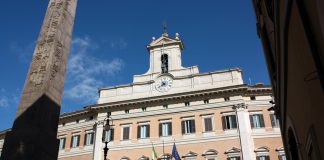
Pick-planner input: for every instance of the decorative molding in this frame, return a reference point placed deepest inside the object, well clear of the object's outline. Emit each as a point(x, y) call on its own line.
point(240, 106)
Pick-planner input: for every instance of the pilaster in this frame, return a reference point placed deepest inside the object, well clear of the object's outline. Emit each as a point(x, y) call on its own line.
point(98, 145)
point(245, 131)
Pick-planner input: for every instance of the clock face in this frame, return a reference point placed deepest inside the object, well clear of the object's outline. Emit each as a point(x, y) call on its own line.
point(163, 84)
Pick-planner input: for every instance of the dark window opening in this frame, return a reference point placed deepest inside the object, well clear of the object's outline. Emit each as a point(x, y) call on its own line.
point(229, 122)
point(164, 63)
point(252, 98)
point(187, 103)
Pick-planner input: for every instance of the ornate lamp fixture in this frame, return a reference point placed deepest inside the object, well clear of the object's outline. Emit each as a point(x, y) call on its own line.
point(107, 126)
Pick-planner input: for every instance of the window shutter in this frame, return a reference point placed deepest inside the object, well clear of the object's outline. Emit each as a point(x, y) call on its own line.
point(224, 123)
point(112, 134)
point(92, 138)
point(208, 124)
point(160, 129)
point(273, 123)
point(148, 131)
point(125, 133)
point(170, 128)
point(78, 140)
point(251, 121)
point(183, 130)
point(234, 121)
point(261, 120)
point(64, 139)
point(193, 126)
point(71, 142)
point(138, 132)
point(85, 139)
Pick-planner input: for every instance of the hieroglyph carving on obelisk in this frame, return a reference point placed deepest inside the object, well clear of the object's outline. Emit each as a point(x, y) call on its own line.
point(47, 70)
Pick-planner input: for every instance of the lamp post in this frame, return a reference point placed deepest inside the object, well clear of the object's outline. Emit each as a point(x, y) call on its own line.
point(107, 125)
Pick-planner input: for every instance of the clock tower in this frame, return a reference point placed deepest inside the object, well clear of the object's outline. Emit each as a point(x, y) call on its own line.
point(165, 54)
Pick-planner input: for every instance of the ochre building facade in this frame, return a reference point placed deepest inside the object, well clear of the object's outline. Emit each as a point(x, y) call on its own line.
point(208, 116)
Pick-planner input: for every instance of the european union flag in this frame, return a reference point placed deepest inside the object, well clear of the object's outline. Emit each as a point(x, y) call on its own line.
point(175, 153)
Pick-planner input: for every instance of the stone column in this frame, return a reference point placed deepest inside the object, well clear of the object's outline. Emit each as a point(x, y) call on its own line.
point(98, 145)
point(245, 132)
point(34, 131)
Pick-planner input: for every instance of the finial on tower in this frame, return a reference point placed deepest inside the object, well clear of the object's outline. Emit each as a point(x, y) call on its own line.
point(165, 32)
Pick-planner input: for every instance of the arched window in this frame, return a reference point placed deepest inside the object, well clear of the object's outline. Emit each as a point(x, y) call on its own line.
point(144, 158)
point(262, 153)
point(125, 158)
point(190, 156)
point(210, 154)
point(164, 63)
point(233, 154)
point(165, 156)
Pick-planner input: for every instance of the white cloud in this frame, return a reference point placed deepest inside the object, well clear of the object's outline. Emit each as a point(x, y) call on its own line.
point(85, 72)
point(119, 43)
point(9, 99)
point(4, 101)
point(23, 52)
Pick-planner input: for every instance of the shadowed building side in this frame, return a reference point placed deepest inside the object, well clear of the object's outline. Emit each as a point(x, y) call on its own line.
point(292, 34)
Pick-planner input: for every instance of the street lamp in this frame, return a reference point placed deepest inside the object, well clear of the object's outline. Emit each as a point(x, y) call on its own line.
point(107, 126)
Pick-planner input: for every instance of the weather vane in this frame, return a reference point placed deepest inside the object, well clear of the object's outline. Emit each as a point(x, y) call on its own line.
point(164, 27)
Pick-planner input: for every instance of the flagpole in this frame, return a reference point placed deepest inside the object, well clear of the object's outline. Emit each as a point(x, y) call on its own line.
point(163, 149)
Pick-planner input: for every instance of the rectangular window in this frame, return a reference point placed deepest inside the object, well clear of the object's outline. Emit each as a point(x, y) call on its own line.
point(165, 129)
point(226, 99)
point(188, 126)
point(109, 135)
point(234, 158)
point(274, 120)
point(75, 140)
point(89, 138)
point(126, 111)
point(208, 124)
point(257, 120)
point(143, 131)
point(263, 158)
point(252, 98)
point(165, 106)
point(62, 143)
point(282, 157)
point(126, 133)
point(206, 101)
point(143, 109)
point(187, 103)
point(229, 122)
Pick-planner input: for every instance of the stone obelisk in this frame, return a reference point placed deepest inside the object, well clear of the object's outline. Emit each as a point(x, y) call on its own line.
point(34, 132)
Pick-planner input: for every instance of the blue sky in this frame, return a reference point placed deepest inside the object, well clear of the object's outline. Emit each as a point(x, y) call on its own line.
point(109, 42)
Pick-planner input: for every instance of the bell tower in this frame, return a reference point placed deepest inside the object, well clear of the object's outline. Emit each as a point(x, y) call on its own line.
point(165, 53)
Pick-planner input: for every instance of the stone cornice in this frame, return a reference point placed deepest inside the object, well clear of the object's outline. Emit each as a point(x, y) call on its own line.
point(177, 97)
point(177, 77)
point(172, 98)
point(4, 132)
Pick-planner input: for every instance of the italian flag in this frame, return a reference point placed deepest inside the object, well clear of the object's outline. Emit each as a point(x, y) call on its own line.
point(154, 154)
